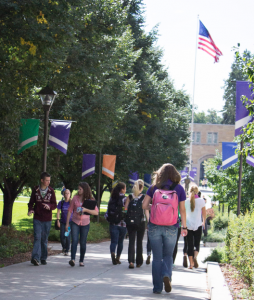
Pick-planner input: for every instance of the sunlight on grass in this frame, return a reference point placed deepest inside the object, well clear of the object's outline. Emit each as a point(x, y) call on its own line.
point(22, 221)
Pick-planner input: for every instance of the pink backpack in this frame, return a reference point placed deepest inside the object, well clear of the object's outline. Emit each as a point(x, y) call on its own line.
point(164, 210)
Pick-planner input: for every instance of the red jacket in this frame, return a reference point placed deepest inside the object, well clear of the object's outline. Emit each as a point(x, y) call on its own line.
point(40, 213)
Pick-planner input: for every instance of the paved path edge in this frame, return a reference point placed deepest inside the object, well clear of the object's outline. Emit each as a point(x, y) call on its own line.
point(216, 282)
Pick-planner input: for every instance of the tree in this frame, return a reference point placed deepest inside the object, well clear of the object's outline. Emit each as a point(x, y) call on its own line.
point(237, 73)
point(225, 183)
point(212, 117)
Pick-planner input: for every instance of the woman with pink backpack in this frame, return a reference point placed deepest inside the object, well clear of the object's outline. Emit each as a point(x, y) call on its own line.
point(164, 197)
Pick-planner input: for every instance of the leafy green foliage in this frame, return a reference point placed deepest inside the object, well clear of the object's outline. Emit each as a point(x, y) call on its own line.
point(240, 245)
point(217, 255)
point(211, 117)
point(220, 222)
point(216, 236)
point(13, 241)
point(109, 78)
point(225, 183)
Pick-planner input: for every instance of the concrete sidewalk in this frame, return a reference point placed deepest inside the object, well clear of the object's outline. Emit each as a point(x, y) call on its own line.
point(99, 279)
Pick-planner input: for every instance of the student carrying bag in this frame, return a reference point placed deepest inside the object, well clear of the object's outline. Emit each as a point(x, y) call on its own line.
point(164, 210)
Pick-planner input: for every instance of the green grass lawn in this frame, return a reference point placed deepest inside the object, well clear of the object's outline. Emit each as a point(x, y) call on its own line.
point(19, 214)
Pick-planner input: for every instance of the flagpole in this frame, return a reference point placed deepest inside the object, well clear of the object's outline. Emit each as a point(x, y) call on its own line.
point(193, 96)
point(240, 180)
point(99, 188)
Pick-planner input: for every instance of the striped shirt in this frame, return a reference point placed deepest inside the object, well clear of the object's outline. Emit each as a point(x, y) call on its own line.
point(81, 220)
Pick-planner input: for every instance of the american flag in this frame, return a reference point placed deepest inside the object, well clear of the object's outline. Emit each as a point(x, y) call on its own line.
point(206, 43)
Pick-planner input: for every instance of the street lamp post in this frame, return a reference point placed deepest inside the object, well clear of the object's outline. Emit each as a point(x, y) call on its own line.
point(47, 96)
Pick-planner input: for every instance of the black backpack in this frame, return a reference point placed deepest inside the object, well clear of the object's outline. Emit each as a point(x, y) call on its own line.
point(135, 211)
point(115, 210)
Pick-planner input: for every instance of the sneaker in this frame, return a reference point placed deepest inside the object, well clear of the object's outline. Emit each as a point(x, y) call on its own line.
point(43, 262)
point(148, 259)
point(185, 261)
point(35, 262)
point(113, 257)
point(66, 254)
point(167, 284)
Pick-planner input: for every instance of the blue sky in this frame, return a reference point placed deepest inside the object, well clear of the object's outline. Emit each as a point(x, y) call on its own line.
point(228, 22)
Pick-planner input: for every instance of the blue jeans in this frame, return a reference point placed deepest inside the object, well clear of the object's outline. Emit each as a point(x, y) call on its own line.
point(41, 233)
point(65, 240)
point(77, 230)
point(117, 234)
point(163, 240)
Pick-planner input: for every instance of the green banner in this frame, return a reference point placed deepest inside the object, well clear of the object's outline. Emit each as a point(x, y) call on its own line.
point(28, 135)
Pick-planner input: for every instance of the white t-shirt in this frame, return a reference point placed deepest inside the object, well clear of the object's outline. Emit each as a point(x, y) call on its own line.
point(193, 219)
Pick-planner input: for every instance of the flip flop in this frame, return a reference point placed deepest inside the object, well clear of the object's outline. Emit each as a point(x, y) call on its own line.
point(81, 264)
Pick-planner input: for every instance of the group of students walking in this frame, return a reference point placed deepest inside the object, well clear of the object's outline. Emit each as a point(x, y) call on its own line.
point(164, 207)
point(168, 214)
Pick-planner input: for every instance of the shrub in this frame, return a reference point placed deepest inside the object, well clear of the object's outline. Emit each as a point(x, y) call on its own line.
point(217, 255)
point(240, 245)
point(220, 222)
point(13, 241)
point(215, 236)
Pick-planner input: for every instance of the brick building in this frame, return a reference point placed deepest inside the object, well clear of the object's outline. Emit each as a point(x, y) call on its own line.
point(206, 139)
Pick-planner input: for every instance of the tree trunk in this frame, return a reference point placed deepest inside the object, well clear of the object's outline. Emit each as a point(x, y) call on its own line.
point(10, 188)
point(7, 212)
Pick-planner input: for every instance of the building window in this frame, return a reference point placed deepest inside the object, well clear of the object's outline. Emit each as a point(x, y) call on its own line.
point(196, 137)
point(215, 137)
point(212, 138)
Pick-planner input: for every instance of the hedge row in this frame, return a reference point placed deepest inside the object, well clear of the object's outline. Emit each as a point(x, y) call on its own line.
point(240, 245)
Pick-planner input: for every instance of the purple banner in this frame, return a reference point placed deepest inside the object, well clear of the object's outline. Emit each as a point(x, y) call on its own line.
point(59, 135)
point(88, 165)
point(242, 117)
point(195, 170)
point(250, 160)
point(218, 167)
point(133, 177)
point(192, 175)
point(183, 174)
point(147, 180)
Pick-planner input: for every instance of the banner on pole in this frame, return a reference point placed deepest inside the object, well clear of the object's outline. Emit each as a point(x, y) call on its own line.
point(192, 175)
point(108, 165)
point(183, 174)
point(28, 134)
point(88, 165)
point(147, 180)
point(195, 170)
point(59, 135)
point(242, 117)
point(229, 157)
point(133, 177)
point(250, 160)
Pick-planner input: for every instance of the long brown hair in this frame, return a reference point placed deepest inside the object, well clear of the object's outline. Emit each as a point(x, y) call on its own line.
point(87, 193)
point(193, 192)
point(166, 172)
